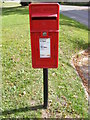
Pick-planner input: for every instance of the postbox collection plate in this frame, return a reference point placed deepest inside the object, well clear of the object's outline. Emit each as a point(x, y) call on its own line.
point(44, 31)
point(44, 44)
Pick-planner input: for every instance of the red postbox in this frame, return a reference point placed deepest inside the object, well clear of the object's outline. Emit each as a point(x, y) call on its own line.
point(44, 31)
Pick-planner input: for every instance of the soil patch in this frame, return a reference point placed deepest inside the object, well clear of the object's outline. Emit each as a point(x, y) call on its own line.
point(81, 63)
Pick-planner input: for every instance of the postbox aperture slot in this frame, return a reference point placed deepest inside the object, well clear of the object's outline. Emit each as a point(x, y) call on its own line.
point(44, 18)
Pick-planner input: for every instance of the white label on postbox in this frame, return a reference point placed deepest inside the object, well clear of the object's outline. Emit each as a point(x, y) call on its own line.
point(44, 44)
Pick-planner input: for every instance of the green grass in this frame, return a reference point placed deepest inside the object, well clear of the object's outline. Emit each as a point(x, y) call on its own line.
point(23, 86)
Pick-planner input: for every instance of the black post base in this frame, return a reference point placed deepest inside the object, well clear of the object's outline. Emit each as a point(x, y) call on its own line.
point(45, 84)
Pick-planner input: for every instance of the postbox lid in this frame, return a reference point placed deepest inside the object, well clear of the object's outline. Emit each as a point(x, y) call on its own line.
point(43, 9)
point(44, 15)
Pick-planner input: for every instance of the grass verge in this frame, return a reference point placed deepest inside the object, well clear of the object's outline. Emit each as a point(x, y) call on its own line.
point(22, 90)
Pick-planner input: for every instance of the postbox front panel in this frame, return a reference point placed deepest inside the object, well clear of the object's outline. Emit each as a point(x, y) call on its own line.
point(44, 35)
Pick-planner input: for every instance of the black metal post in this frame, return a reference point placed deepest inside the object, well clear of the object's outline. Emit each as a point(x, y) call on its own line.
point(45, 85)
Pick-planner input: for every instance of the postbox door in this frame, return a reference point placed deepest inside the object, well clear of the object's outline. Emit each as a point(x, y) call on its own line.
point(48, 59)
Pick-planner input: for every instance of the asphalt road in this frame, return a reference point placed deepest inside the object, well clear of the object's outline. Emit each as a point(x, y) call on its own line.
point(79, 13)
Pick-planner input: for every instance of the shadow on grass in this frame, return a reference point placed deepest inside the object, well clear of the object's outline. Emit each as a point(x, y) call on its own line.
point(80, 44)
point(7, 112)
point(15, 10)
